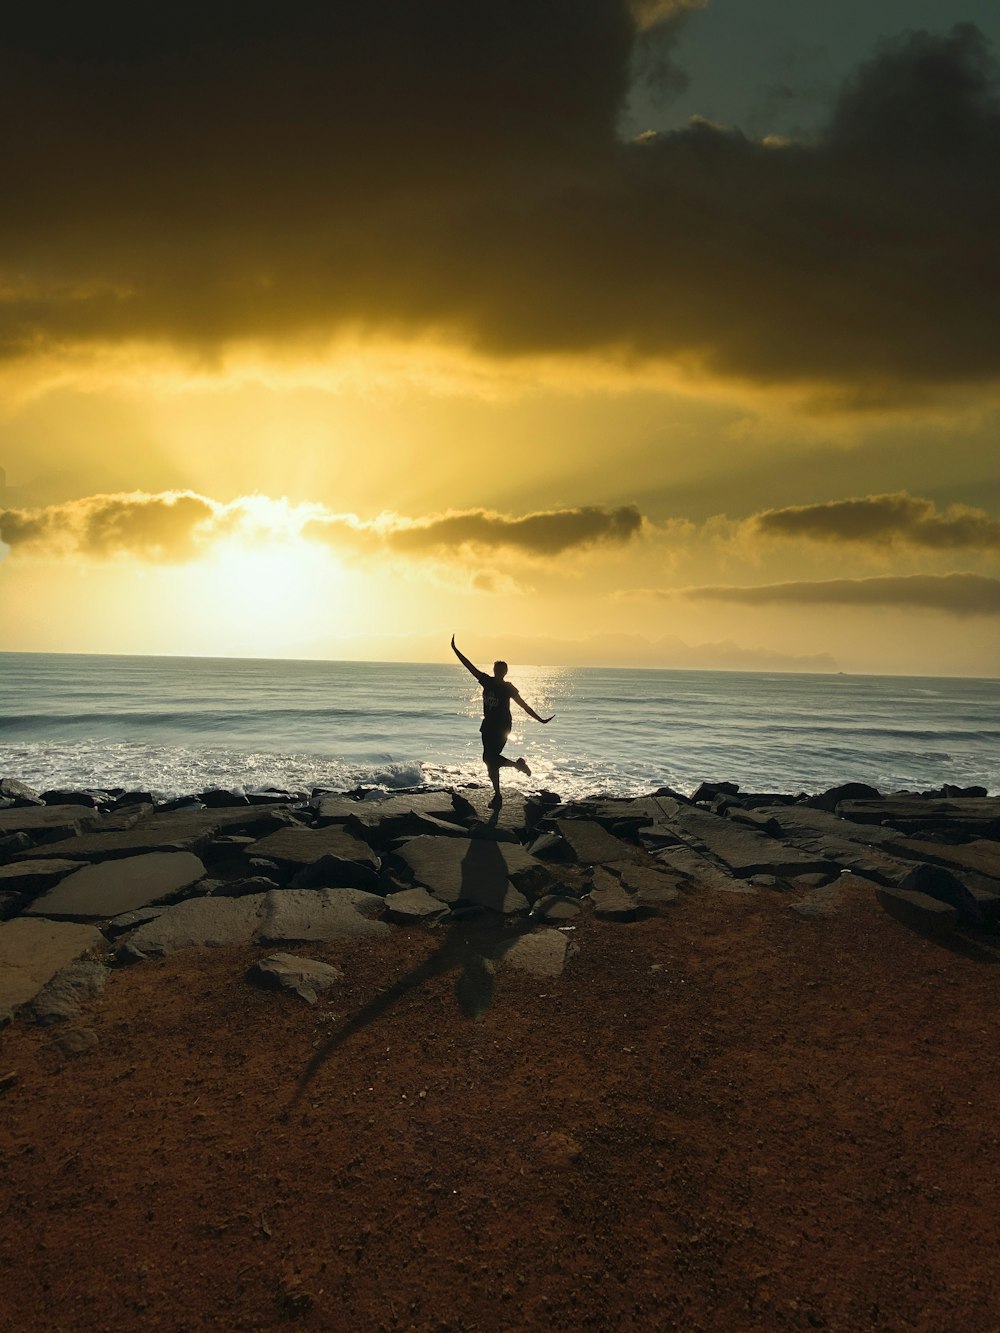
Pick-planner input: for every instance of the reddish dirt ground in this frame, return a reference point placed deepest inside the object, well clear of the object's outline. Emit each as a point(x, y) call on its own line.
point(729, 1118)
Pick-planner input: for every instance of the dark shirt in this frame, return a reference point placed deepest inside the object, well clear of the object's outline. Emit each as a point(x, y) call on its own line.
point(497, 695)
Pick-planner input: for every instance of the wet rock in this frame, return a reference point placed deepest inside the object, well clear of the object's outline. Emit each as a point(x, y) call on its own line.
point(847, 791)
point(19, 792)
point(306, 977)
point(111, 887)
point(33, 951)
point(708, 791)
point(63, 998)
point(542, 953)
point(411, 906)
point(218, 798)
point(298, 916)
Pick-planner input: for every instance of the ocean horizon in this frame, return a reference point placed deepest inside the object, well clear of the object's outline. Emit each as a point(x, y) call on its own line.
point(183, 724)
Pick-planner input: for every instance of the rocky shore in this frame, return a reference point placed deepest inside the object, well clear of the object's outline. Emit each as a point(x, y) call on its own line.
point(718, 1061)
point(94, 879)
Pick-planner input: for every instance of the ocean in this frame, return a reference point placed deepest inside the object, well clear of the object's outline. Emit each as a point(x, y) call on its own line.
point(176, 725)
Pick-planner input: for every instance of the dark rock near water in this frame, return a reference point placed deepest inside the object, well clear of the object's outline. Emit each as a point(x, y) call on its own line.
point(305, 846)
point(59, 796)
point(708, 791)
point(111, 887)
point(591, 844)
point(218, 798)
point(33, 877)
point(847, 791)
point(19, 792)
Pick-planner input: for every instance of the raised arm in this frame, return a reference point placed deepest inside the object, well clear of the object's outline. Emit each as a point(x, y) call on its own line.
point(465, 661)
point(529, 710)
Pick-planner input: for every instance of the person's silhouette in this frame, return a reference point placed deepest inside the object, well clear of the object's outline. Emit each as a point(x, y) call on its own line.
point(496, 723)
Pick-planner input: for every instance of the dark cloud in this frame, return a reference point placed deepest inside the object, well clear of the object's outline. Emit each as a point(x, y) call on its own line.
point(956, 594)
point(196, 173)
point(548, 533)
point(152, 527)
point(883, 519)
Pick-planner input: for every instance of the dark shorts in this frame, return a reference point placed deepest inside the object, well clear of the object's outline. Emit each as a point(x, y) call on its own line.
point(494, 739)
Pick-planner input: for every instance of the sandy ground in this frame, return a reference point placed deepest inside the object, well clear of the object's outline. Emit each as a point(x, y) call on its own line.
point(728, 1118)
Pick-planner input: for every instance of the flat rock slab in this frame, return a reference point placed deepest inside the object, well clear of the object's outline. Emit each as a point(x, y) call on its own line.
point(112, 887)
point(975, 814)
point(612, 901)
point(63, 998)
point(592, 845)
point(371, 814)
point(34, 877)
point(48, 823)
point(916, 910)
point(475, 804)
point(299, 916)
point(303, 846)
point(700, 871)
point(306, 977)
point(473, 870)
point(542, 953)
point(414, 905)
point(32, 952)
point(654, 888)
point(981, 856)
point(556, 907)
point(743, 850)
point(198, 922)
point(803, 822)
point(172, 830)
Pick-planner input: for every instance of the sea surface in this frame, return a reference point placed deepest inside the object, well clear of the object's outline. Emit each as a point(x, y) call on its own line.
point(177, 725)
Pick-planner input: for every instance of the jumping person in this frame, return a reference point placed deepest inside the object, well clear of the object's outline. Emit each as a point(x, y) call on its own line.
point(496, 723)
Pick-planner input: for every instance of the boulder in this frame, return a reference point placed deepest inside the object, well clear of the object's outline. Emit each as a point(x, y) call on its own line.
point(979, 816)
point(653, 887)
point(847, 791)
point(111, 887)
point(218, 798)
point(475, 803)
point(305, 846)
point(19, 792)
point(48, 823)
point(473, 871)
point(551, 847)
point(612, 902)
point(591, 844)
point(292, 916)
point(64, 796)
point(306, 977)
point(708, 791)
point(937, 882)
point(743, 850)
point(32, 952)
point(197, 922)
point(181, 831)
point(411, 906)
point(699, 871)
point(542, 953)
point(556, 907)
point(335, 872)
point(918, 911)
point(63, 998)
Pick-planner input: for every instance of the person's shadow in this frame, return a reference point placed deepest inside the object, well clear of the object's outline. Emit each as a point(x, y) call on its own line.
point(469, 945)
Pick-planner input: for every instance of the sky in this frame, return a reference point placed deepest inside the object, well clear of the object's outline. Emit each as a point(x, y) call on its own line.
point(656, 333)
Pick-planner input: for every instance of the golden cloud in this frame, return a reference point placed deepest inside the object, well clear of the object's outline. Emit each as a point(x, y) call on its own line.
point(881, 520)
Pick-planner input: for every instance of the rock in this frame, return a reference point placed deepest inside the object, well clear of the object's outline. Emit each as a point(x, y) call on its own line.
point(10, 904)
point(979, 816)
point(304, 846)
point(65, 797)
point(473, 870)
point(130, 920)
point(981, 856)
point(334, 872)
point(474, 803)
point(591, 844)
point(34, 877)
point(111, 887)
point(556, 907)
point(184, 831)
point(819, 903)
point(918, 911)
point(307, 977)
point(32, 952)
point(478, 828)
point(551, 847)
point(128, 798)
point(612, 902)
point(62, 998)
point(395, 812)
point(948, 791)
point(77, 1041)
point(744, 851)
point(708, 791)
point(411, 906)
point(700, 871)
point(755, 819)
point(542, 953)
point(240, 888)
point(293, 916)
point(937, 882)
point(217, 798)
point(12, 790)
point(766, 882)
point(48, 823)
point(655, 889)
point(847, 791)
point(197, 922)
point(11, 844)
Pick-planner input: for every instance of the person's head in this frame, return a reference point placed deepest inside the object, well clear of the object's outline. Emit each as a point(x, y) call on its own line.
point(499, 670)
